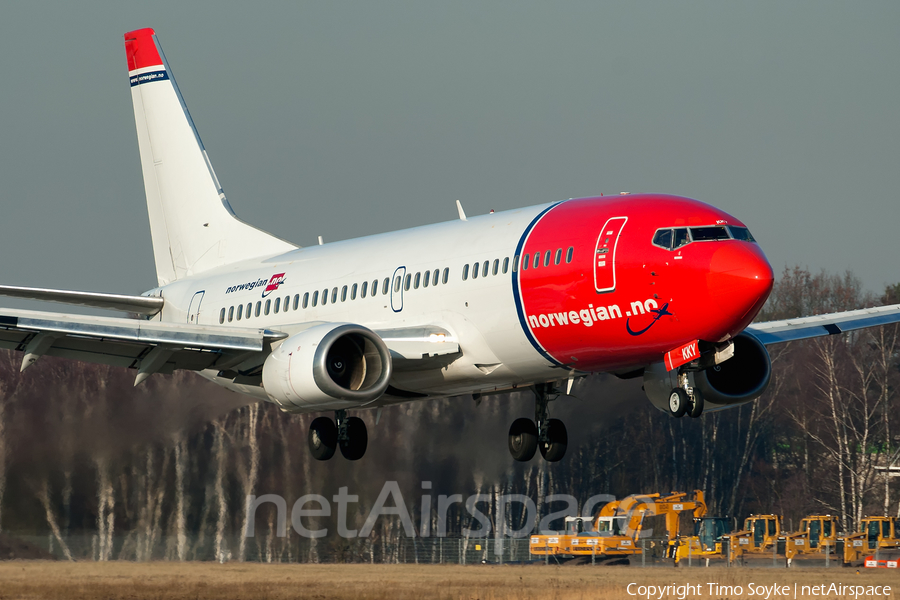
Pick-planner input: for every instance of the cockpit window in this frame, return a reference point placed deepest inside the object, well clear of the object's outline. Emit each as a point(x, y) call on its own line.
point(741, 233)
point(709, 234)
point(663, 238)
point(671, 238)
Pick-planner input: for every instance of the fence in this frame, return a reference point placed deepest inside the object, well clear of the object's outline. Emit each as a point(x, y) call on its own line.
point(139, 546)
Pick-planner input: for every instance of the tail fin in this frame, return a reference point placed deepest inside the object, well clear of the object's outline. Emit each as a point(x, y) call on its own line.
point(191, 223)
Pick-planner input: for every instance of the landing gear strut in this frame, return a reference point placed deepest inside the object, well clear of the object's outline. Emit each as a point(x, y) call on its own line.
point(685, 399)
point(550, 435)
point(325, 435)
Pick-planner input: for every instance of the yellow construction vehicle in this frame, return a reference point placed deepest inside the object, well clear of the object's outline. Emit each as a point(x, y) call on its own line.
point(878, 539)
point(618, 526)
point(707, 543)
point(816, 542)
point(760, 538)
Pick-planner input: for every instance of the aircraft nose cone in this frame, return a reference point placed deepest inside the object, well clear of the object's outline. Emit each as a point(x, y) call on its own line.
point(739, 282)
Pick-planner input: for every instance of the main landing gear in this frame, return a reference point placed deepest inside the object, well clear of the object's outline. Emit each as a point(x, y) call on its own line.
point(349, 433)
point(685, 399)
point(550, 435)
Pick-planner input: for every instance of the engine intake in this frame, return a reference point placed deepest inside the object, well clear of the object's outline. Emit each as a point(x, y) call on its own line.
point(335, 365)
point(742, 378)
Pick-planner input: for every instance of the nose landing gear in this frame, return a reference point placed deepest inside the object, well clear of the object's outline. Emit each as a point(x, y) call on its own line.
point(548, 435)
point(349, 433)
point(685, 399)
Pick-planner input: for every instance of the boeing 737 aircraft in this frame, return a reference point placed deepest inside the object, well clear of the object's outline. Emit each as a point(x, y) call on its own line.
point(652, 286)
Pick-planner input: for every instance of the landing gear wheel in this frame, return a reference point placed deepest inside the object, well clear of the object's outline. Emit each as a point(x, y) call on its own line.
point(354, 447)
point(696, 404)
point(322, 438)
point(678, 402)
point(557, 440)
point(523, 439)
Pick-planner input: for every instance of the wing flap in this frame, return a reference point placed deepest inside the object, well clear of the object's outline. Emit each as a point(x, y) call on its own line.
point(128, 342)
point(790, 330)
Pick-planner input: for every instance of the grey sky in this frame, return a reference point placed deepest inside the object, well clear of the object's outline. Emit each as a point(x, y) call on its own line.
point(343, 119)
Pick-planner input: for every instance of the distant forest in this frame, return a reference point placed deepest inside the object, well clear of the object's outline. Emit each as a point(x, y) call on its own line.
point(163, 470)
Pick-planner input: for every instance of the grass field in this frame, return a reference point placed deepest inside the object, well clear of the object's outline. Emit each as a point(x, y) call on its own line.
point(200, 581)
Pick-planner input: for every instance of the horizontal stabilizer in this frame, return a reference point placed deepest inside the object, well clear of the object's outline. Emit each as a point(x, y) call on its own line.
point(142, 305)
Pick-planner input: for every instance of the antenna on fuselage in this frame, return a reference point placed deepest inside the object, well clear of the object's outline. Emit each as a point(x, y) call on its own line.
point(462, 213)
point(321, 241)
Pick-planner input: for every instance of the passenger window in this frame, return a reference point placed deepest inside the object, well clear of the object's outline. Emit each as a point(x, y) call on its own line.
point(240, 314)
point(249, 309)
point(475, 268)
point(547, 256)
point(221, 316)
point(353, 292)
point(426, 279)
point(230, 314)
point(569, 254)
point(465, 272)
point(516, 263)
point(446, 275)
point(268, 306)
point(287, 302)
point(315, 297)
point(537, 260)
point(418, 280)
point(408, 281)
point(397, 283)
point(709, 234)
point(344, 294)
point(384, 286)
point(663, 239)
point(526, 261)
point(505, 265)
point(680, 238)
point(333, 295)
point(435, 277)
point(296, 301)
point(324, 297)
point(558, 258)
point(258, 307)
point(363, 289)
point(305, 299)
point(496, 267)
point(277, 304)
point(484, 268)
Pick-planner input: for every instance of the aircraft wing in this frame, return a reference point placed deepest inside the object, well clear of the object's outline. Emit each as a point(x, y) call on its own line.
point(789, 330)
point(149, 346)
point(145, 305)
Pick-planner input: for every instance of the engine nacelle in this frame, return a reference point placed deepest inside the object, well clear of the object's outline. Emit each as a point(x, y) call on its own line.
point(742, 378)
point(330, 366)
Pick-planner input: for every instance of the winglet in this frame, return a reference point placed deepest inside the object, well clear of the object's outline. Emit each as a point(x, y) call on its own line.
point(140, 49)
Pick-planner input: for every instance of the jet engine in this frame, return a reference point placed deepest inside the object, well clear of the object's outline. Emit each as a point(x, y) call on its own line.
point(741, 378)
point(329, 366)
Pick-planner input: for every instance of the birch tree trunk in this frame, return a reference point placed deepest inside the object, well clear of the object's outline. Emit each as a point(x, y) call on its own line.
point(250, 480)
point(44, 497)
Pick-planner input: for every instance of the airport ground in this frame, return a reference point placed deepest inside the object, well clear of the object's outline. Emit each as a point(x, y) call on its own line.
point(201, 581)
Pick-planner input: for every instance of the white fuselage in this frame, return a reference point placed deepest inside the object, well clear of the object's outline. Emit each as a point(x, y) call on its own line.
point(479, 312)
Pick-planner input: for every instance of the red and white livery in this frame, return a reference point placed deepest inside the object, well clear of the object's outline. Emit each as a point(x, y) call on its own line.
point(653, 286)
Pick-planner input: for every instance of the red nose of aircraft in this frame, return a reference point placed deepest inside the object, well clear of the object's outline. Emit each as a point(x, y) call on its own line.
point(739, 282)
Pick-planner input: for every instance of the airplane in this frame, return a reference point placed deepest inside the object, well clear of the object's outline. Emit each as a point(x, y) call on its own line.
point(639, 285)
